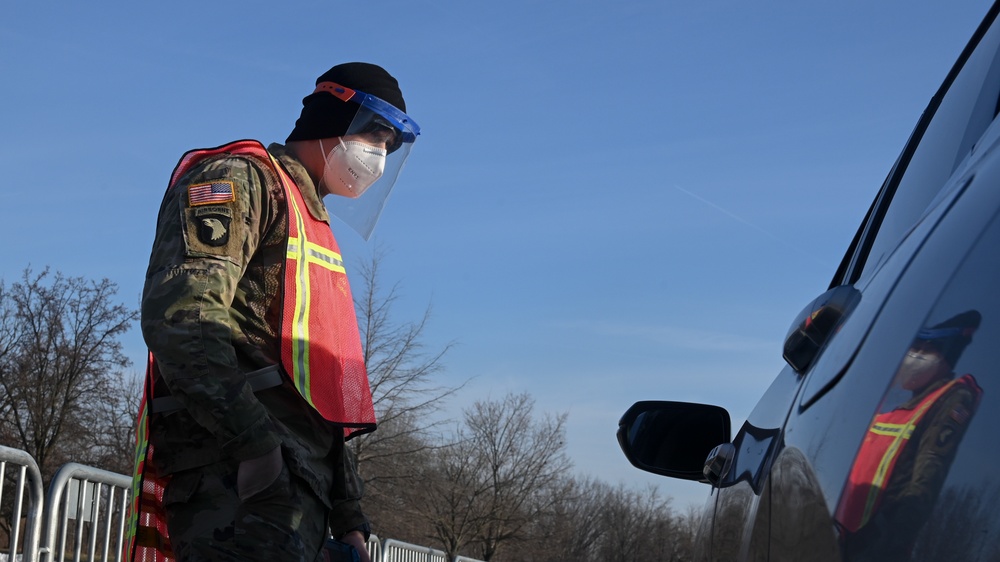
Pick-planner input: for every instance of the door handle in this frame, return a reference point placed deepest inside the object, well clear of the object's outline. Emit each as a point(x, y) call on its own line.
point(718, 463)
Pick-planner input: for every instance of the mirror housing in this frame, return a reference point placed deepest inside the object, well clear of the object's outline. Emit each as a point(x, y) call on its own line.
point(672, 438)
point(814, 326)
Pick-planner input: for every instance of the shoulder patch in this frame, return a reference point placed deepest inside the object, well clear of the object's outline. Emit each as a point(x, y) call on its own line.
point(220, 191)
point(214, 231)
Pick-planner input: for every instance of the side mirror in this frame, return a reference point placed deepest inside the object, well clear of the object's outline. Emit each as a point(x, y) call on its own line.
point(813, 327)
point(672, 438)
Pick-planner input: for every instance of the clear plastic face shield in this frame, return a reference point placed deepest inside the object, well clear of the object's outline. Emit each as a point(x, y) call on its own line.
point(375, 146)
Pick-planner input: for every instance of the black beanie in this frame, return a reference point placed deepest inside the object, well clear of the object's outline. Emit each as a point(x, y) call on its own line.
point(324, 115)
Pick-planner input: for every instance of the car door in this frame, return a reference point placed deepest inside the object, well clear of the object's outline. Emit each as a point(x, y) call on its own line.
point(926, 250)
point(927, 484)
point(796, 449)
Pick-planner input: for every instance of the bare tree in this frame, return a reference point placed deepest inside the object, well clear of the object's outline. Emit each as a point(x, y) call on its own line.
point(400, 373)
point(396, 504)
point(572, 528)
point(113, 447)
point(521, 457)
point(592, 521)
point(455, 491)
point(490, 482)
point(639, 527)
point(61, 363)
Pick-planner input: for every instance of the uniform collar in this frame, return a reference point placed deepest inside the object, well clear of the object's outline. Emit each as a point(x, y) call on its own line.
point(308, 188)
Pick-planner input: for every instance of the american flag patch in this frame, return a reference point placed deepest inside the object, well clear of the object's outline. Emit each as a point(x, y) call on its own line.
point(209, 193)
point(960, 415)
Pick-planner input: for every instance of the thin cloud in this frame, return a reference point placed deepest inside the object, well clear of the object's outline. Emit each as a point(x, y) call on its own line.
point(781, 240)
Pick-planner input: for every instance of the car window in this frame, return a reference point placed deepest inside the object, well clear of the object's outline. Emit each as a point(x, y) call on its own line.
point(924, 481)
point(965, 111)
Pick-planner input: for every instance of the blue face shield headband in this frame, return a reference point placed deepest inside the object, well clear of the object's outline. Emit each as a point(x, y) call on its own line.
point(938, 333)
point(374, 111)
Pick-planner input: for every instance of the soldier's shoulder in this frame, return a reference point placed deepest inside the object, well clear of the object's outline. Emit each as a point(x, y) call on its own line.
point(958, 405)
point(965, 390)
point(243, 169)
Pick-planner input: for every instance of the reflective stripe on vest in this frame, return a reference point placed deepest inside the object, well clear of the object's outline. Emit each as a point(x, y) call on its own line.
point(321, 346)
point(302, 254)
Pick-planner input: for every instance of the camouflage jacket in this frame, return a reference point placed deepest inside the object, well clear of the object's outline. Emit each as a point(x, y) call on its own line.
point(211, 309)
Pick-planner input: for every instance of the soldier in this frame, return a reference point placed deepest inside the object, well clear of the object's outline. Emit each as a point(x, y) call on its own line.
point(256, 373)
point(907, 451)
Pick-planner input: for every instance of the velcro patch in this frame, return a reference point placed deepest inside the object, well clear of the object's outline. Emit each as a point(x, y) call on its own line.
point(214, 230)
point(221, 191)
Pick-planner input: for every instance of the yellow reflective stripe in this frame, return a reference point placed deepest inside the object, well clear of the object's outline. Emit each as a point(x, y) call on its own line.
point(891, 429)
point(300, 325)
point(303, 253)
point(296, 251)
point(323, 257)
point(317, 255)
point(141, 444)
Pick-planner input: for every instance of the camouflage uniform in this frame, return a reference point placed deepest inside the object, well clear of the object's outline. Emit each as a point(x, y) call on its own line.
point(211, 309)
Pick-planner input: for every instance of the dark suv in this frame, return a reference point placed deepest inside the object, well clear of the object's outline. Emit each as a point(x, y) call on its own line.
point(879, 439)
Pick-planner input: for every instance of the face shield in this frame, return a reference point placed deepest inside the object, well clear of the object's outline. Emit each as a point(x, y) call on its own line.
point(377, 124)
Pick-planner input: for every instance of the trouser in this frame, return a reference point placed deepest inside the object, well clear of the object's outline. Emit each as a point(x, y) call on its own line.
point(208, 522)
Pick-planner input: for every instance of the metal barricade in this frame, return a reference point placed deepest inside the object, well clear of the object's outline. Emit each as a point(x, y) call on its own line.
point(374, 548)
point(465, 559)
point(25, 522)
point(399, 551)
point(85, 506)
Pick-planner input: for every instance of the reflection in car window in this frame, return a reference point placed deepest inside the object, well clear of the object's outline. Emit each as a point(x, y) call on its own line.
point(963, 115)
point(923, 481)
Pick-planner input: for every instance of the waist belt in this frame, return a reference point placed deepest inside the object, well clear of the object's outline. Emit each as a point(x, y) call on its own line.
point(268, 377)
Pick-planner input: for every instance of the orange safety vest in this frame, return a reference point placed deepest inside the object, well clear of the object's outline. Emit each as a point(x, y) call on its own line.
point(320, 348)
point(884, 442)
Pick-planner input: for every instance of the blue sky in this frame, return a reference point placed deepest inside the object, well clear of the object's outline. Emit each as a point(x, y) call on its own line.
point(609, 202)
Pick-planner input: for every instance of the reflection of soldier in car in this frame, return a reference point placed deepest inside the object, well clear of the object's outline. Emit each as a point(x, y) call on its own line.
point(908, 450)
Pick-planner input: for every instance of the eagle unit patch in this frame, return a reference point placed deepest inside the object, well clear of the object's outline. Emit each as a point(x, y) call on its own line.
point(213, 225)
point(214, 231)
point(220, 191)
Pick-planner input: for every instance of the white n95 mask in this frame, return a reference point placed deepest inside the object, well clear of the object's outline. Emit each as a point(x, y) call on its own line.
point(352, 167)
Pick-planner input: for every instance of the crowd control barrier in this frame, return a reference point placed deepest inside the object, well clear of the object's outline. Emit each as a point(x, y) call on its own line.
point(85, 515)
point(20, 504)
point(399, 551)
point(374, 548)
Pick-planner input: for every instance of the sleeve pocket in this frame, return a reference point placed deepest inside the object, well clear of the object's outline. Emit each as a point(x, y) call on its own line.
point(182, 487)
